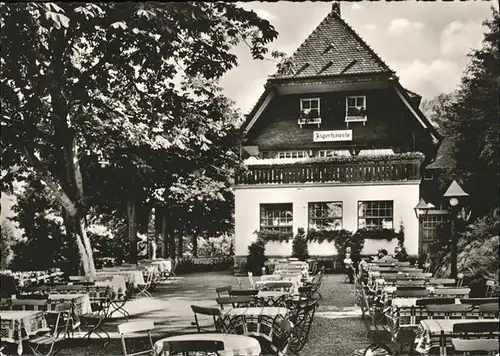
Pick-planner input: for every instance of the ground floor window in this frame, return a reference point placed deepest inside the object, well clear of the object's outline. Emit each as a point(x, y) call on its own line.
point(376, 214)
point(430, 224)
point(276, 217)
point(325, 215)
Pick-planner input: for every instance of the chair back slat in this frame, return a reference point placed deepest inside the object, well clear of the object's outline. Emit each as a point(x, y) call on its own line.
point(205, 310)
point(411, 293)
point(435, 301)
point(476, 328)
point(243, 292)
point(478, 301)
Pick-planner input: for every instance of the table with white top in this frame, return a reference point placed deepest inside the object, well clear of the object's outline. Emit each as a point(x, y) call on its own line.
point(133, 277)
point(19, 325)
point(234, 345)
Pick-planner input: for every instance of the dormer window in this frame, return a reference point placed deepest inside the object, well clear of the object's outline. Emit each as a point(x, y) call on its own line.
point(355, 109)
point(309, 112)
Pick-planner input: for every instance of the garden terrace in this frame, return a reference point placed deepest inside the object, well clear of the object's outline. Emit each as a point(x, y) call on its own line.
point(333, 170)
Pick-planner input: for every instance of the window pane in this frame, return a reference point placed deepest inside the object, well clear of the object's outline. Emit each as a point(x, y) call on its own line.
point(360, 101)
point(351, 101)
point(314, 104)
point(306, 104)
point(277, 217)
point(375, 214)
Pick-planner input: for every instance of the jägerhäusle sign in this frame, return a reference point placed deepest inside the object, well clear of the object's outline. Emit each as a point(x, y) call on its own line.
point(333, 135)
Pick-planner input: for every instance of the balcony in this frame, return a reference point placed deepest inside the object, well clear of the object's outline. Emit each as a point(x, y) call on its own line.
point(401, 167)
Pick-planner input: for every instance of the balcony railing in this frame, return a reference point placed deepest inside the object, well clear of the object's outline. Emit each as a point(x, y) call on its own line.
point(332, 172)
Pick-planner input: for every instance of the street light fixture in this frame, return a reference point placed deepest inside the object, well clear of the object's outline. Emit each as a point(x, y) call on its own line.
point(456, 195)
point(422, 208)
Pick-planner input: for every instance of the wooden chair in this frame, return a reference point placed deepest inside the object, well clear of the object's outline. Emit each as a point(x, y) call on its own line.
point(184, 347)
point(434, 301)
point(250, 279)
point(452, 292)
point(29, 304)
point(144, 288)
point(489, 310)
point(478, 301)
point(215, 313)
point(302, 318)
point(411, 293)
point(224, 289)
point(490, 286)
point(58, 322)
point(468, 347)
point(476, 330)
point(135, 327)
point(236, 302)
point(442, 281)
point(243, 292)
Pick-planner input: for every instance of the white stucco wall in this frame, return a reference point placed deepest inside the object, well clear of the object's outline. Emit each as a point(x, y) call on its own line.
point(247, 212)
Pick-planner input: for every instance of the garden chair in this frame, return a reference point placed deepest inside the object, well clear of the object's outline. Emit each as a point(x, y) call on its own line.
point(215, 313)
point(416, 293)
point(489, 310)
point(58, 322)
point(490, 286)
point(452, 292)
point(441, 281)
point(460, 280)
point(410, 283)
point(243, 292)
point(475, 330)
point(250, 279)
point(282, 341)
point(223, 289)
point(279, 286)
point(144, 288)
point(313, 267)
point(447, 311)
point(435, 301)
point(474, 347)
point(316, 282)
point(478, 301)
point(184, 347)
point(29, 304)
point(236, 302)
point(302, 318)
point(135, 327)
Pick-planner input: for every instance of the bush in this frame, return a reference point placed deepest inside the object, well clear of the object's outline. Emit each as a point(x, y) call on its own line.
point(201, 264)
point(354, 241)
point(299, 245)
point(256, 257)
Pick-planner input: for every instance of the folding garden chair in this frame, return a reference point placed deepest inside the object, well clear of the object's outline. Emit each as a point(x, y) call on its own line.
point(223, 289)
point(475, 347)
point(452, 292)
point(215, 313)
point(241, 292)
point(489, 310)
point(58, 322)
point(185, 347)
point(135, 327)
point(460, 279)
point(313, 267)
point(302, 318)
point(490, 286)
point(250, 279)
point(144, 288)
point(235, 302)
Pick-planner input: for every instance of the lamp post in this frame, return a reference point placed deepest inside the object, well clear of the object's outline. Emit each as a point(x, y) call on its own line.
point(456, 195)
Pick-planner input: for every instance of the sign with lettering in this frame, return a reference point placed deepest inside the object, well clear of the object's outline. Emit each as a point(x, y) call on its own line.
point(334, 135)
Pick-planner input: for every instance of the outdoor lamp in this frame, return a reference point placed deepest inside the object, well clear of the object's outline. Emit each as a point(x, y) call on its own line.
point(455, 193)
point(422, 208)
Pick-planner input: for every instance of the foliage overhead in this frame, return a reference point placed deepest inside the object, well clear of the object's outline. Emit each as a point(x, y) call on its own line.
point(130, 86)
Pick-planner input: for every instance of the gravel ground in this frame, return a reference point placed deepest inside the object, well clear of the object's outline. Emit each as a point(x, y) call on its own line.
point(329, 335)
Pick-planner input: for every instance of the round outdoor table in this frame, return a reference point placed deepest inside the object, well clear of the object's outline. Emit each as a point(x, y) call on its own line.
point(234, 345)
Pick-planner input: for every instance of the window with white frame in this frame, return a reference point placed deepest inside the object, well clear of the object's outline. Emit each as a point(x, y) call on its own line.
point(276, 217)
point(376, 152)
point(331, 153)
point(292, 154)
point(376, 214)
point(310, 107)
point(355, 106)
point(325, 215)
point(430, 225)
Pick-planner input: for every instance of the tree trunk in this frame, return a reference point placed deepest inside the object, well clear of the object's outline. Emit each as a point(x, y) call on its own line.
point(151, 234)
point(195, 245)
point(180, 246)
point(164, 234)
point(132, 227)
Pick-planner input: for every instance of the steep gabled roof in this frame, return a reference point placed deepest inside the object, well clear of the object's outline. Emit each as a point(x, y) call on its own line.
point(334, 48)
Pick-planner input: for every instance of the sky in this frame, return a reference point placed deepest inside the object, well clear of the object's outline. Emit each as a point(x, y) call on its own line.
point(425, 43)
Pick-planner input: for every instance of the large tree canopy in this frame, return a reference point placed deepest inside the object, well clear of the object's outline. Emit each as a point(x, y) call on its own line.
point(84, 82)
